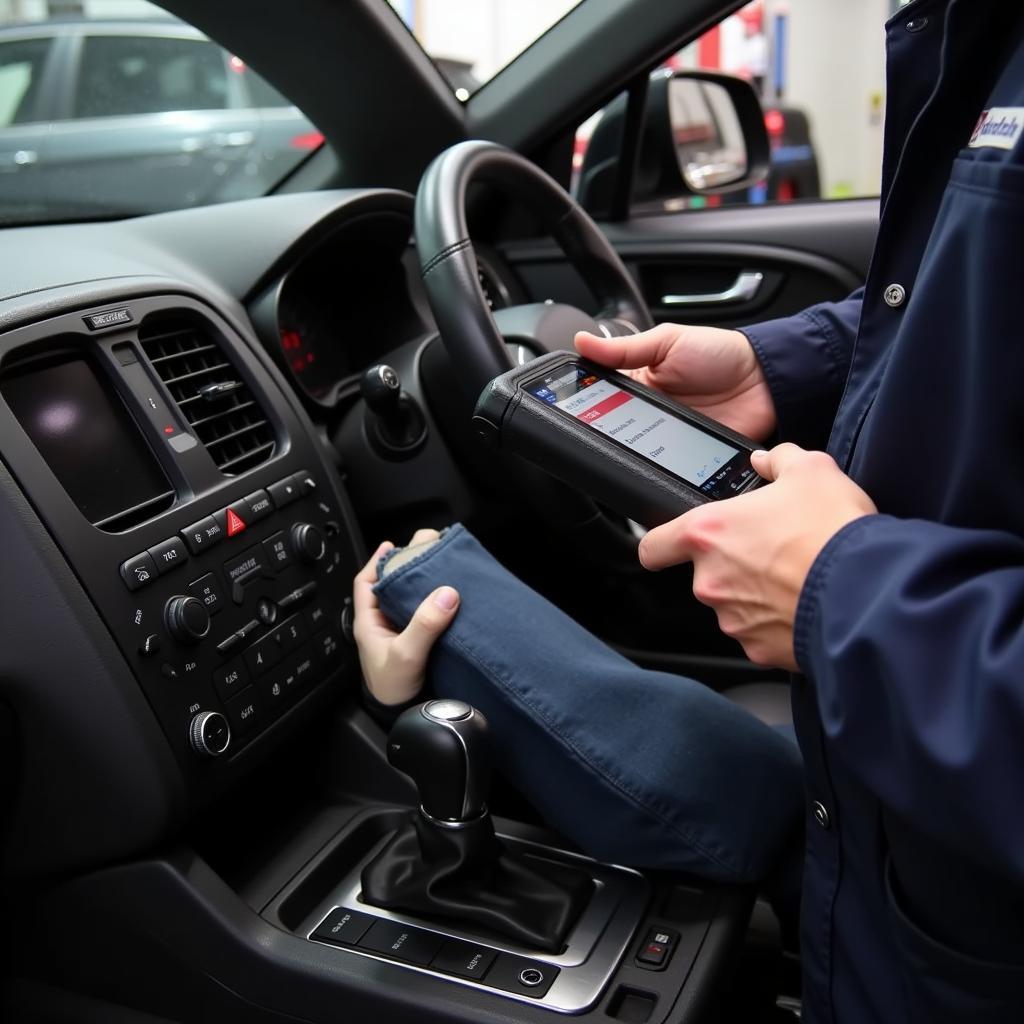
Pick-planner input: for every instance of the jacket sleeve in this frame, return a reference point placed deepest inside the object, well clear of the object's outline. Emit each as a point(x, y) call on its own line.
point(806, 359)
point(912, 634)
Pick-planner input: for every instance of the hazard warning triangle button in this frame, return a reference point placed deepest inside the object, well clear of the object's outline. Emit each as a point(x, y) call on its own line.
point(235, 523)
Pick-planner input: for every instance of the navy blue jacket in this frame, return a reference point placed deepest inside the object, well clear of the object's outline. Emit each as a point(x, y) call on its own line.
point(910, 628)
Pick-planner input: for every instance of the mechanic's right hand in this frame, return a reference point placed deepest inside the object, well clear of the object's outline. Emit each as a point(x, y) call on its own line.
point(706, 368)
point(395, 663)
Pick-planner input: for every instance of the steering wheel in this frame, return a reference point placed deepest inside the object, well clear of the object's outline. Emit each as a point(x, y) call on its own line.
point(478, 342)
point(474, 338)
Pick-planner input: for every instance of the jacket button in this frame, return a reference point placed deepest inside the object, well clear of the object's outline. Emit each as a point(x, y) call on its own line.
point(821, 814)
point(895, 295)
point(917, 24)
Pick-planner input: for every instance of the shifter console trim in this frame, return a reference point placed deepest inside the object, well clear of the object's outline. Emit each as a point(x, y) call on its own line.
point(593, 951)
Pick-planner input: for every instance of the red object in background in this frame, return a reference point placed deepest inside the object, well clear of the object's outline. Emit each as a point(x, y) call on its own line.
point(753, 16)
point(307, 140)
point(709, 49)
point(785, 191)
point(775, 123)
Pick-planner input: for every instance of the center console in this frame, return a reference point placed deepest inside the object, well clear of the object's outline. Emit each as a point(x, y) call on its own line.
point(194, 510)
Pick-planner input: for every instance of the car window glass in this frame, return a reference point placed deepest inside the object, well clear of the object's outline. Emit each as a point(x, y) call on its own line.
point(152, 115)
point(818, 67)
point(125, 74)
point(21, 70)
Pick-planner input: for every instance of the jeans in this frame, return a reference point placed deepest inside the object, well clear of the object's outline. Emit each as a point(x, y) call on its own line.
point(641, 768)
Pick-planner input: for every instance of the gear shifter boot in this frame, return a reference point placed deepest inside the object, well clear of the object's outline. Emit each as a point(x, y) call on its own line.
point(467, 874)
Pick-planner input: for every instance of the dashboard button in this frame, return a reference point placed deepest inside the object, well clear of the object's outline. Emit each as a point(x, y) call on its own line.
point(230, 679)
point(278, 555)
point(305, 482)
point(464, 959)
point(290, 634)
point(236, 518)
point(263, 655)
point(243, 711)
point(138, 571)
point(243, 569)
point(259, 506)
point(413, 945)
point(317, 616)
point(296, 671)
point(326, 646)
point(298, 595)
point(208, 591)
point(202, 535)
point(284, 492)
point(168, 554)
point(343, 927)
point(525, 977)
point(274, 690)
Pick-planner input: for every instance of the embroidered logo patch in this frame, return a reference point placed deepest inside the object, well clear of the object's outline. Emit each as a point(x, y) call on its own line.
point(998, 128)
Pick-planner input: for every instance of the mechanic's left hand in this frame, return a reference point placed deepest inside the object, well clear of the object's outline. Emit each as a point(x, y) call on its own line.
point(752, 554)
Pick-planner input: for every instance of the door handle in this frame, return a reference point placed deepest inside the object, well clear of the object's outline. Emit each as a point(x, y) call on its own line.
point(743, 289)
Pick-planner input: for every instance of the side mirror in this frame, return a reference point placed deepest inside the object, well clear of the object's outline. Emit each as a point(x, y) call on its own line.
point(703, 134)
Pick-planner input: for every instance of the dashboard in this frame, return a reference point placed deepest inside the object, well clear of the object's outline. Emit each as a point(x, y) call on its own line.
point(183, 538)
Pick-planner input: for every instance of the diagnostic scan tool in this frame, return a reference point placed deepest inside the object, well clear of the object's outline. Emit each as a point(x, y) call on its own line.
point(625, 445)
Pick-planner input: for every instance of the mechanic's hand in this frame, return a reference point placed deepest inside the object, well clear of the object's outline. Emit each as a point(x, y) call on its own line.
point(752, 553)
point(709, 369)
point(394, 664)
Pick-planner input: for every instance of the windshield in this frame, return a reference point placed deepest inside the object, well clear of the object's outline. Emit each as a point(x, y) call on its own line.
point(124, 110)
point(470, 41)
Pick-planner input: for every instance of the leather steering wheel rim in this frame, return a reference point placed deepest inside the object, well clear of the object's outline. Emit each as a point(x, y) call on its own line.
point(448, 261)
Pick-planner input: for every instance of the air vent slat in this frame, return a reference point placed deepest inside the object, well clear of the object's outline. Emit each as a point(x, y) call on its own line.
point(231, 426)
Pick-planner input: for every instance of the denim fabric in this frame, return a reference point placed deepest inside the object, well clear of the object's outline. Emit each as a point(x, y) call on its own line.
point(641, 768)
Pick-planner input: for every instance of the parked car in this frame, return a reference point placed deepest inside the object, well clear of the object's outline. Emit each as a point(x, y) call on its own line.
point(106, 118)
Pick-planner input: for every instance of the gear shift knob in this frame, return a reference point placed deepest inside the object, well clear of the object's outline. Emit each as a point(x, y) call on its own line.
point(442, 746)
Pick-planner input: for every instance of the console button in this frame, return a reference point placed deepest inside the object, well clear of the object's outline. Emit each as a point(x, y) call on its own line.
point(343, 927)
point(229, 643)
point(295, 671)
point(284, 492)
point(230, 679)
point(236, 518)
point(657, 947)
point(266, 611)
point(298, 595)
point(290, 634)
point(524, 977)
point(202, 535)
point(464, 959)
point(259, 506)
point(317, 616)
point(263, 656)
point(250, 565)
point(326, 646)
point(208, 591)
point(304, 481)
point(274, 691)
point(278, 555)
point(243, 711)
point(168, 554)
point(138, 571)
point(413, 945)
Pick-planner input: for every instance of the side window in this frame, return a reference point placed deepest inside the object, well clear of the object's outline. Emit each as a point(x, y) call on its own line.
point(149, 75)
point(21, 72)
point(818, 67)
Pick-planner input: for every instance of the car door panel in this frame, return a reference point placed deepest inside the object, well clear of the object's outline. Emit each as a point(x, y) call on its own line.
point(803, 254)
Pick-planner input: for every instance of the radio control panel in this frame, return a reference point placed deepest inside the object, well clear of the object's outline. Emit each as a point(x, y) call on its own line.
point(238, 615)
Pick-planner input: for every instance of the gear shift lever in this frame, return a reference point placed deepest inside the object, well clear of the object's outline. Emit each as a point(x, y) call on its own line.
point(445, 861)
point(442, 747)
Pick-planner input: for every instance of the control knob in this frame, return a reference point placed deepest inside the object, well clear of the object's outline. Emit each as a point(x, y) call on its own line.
point(209, 733)
point(307, 543)
point(187, 619)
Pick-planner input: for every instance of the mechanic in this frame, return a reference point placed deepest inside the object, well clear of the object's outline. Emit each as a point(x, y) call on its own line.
point(890, 571)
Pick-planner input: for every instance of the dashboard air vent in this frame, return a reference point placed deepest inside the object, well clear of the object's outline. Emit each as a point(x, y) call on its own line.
point(210, 392)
